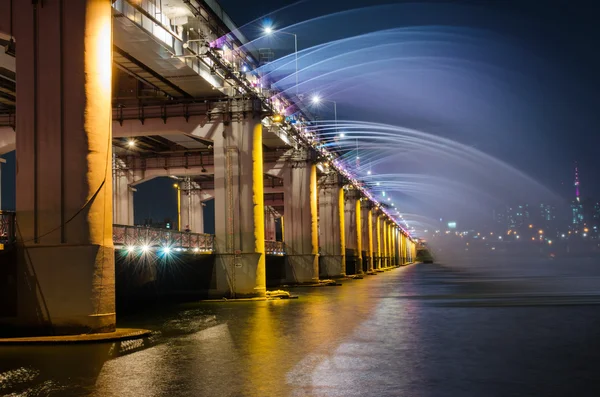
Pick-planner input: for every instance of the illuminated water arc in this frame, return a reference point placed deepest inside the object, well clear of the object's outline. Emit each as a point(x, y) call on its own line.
point(443, 143)
point(379, 49)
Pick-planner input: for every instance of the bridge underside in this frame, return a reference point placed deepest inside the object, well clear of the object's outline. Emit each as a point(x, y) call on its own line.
point(93, 117)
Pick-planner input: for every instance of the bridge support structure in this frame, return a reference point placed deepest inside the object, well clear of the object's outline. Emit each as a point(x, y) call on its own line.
point(377, 246)
point(239, 203)
point(385, 263)
point(122, 194)
point(392, 235)
point(191, 211)
point(367, 234)
point(301, 232)
point(396, 234)
point(389, 243)
point(270, 223)
point(65, 268)
point(332, 231)
point(401, 249)
point(352, 222)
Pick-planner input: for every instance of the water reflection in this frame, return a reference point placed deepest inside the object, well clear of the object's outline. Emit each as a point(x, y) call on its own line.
point(412, 331)
point(65, 370)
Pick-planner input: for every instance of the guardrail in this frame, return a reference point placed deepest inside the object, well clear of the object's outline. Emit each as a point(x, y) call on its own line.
point(274, 248)
point(7, 228)
point(146, 238)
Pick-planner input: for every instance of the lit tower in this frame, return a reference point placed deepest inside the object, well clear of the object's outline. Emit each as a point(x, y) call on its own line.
point(576, 207)
point(577, 184)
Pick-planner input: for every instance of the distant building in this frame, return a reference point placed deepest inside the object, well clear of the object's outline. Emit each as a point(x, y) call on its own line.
point(166, 224)
point(499, 217)
point(547, 213)
point(518, 216)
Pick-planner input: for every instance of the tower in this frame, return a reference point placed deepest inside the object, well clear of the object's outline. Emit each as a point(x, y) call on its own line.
point(576, 206)
point(576, 184)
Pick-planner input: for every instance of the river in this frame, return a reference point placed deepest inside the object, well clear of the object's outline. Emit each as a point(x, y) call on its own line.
point(494, 327)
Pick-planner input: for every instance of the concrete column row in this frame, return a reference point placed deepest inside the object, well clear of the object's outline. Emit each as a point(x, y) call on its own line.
point(66, 276)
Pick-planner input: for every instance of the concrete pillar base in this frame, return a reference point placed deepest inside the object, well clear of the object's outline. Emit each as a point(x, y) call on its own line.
point(236, 276)
point(385, 264)
point(332, 266)
point(359, 266)
point(301, 269)
point(65, 290)
point(353, 264)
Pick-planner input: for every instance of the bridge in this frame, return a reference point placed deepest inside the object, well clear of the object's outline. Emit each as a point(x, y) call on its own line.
point(111, 94)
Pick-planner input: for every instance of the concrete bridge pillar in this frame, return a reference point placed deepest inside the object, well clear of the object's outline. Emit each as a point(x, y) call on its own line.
point(359, 239)
point(400, 248)
point(301, 233)
point(392, 234)
point(388, 236)
point(2, 161)
point(65, 273)
point(239, 204)
point(396, 237)
point(384, 251)
point(367, 234)
point(270, 223)
point(191, 209)
point(122, 194)
point(332, 229)
point(393, 243)
point(376, 239)
point(398, 244)
point(352, 222)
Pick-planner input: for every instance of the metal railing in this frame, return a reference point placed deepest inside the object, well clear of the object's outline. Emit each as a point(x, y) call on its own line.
point(139, 236)
point(7, 228)
point(274, 247)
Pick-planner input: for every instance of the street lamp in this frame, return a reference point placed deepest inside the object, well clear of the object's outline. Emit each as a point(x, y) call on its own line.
point(269, 31)
point(316, 99)
point(176, 186)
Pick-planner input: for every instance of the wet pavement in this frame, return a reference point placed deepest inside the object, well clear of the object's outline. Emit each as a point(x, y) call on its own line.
point(476, 328)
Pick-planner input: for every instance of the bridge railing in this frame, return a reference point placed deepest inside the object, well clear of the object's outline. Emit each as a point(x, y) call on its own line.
point(138, 236)
point(7, 228)
point(274, 247)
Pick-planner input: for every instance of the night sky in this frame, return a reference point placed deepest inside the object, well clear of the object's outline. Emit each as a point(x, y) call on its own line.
point(523, 89)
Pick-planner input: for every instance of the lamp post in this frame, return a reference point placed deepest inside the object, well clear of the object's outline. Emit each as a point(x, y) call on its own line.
point(316, 99)
point(176, 186)
point(269, 31)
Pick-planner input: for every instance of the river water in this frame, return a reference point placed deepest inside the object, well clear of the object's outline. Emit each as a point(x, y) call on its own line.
point(497, 327)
